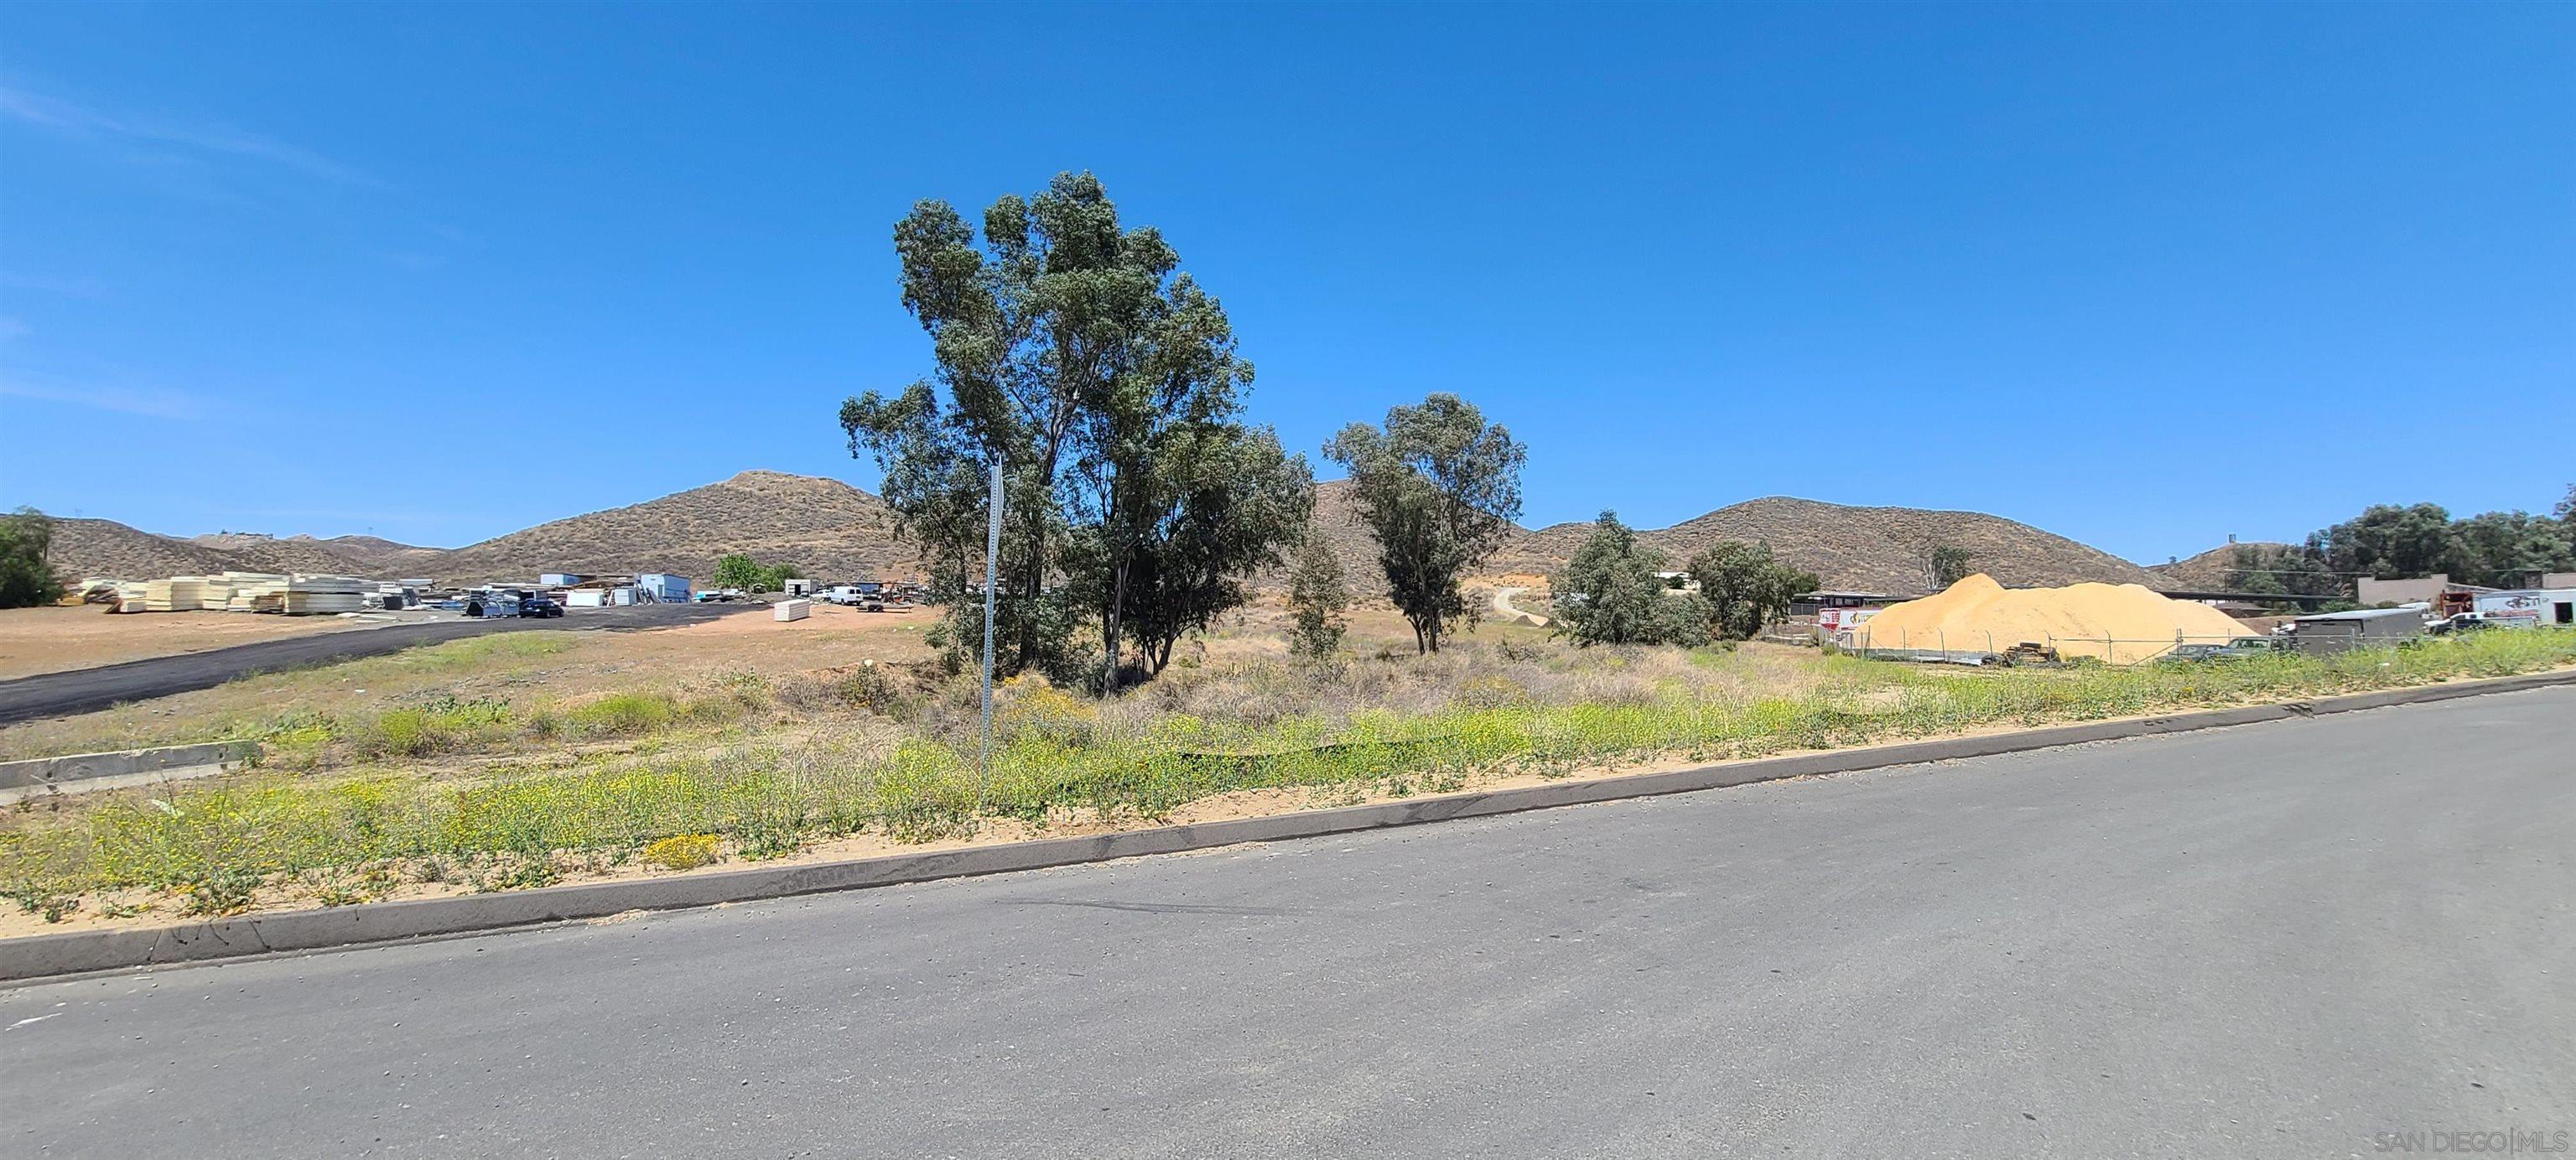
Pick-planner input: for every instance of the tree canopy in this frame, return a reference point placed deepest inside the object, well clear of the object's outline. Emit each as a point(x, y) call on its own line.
point(26, 569)
point(2500, 548)
point(1318, 595)
point(1745, 588)
point(1439, 487)
point(2390, 541)
point(2386, 541)
point(1104, 383)
point(739, 570)
point(1944, 563)
point(1608, 593)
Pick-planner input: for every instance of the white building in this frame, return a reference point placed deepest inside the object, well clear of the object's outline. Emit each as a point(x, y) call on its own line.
point(2528, 607)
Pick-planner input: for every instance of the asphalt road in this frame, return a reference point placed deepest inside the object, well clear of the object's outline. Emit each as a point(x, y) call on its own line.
point(88, 690)
point(2277, 940)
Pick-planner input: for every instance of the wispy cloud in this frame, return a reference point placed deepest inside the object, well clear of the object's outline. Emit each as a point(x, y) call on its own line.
point(148, 402)
point(66, 117)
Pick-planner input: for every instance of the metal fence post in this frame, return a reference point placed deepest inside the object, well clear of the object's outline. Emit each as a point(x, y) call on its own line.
point(992, 555)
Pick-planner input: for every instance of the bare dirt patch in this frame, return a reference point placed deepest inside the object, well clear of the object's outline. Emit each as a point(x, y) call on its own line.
point(61, 638)
point(571, 666)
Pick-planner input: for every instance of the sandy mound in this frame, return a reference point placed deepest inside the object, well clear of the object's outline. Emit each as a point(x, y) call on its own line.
point(2119, 623)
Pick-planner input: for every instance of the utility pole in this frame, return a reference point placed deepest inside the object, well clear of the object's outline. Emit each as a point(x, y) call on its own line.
point(992, 554)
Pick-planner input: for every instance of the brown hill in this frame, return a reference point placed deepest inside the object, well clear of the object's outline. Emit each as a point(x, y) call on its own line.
point(252, 552)
point(824, 527)
point(2207, 572)
point(1874, 549)
point(377, 556)
point(361, 555)
point(1879, 549)
point(833, 531)
point(86, 548)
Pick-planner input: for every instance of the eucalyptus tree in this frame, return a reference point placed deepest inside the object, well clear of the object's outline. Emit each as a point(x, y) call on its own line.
point(1106, 386)
point(1608, 593)
point(1440, 488)
point(1746, 588)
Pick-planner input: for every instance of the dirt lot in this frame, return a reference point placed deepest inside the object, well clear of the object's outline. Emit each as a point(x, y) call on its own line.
point(570, 665)
point(57, 639)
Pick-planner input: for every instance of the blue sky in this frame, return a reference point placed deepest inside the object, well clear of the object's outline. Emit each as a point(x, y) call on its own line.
point(2142, 276)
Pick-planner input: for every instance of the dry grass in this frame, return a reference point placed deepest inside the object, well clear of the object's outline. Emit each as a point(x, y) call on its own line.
point(524, 671)
point(592, 755)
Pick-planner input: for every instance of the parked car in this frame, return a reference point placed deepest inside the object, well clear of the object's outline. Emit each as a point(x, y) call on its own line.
point(2458, 622)
point(539, 606)
point(2237, 649)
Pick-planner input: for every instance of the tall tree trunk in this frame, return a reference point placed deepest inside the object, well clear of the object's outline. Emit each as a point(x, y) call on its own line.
point(1110, 627)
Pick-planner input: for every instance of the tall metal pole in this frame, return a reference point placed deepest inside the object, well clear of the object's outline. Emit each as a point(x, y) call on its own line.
point(992, 554)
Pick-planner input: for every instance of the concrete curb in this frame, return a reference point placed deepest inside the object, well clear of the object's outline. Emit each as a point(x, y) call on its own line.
point(74, 772)
point(81, 952)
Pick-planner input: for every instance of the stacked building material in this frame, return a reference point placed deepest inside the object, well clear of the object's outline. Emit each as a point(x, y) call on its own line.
point(130, 595)
point(314, 595)
point(176, 594)
point(227, 592)
point(246, 590)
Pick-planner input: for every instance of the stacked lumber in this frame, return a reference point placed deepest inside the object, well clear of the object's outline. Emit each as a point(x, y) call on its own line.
point(295, 594)
point(176, 594)
point(231, 591)
point(307, 594)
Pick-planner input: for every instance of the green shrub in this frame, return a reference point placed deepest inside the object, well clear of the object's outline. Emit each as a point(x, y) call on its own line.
point(622, 715)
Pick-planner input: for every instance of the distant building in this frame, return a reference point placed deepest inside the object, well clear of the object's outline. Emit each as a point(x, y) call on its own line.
point(663, 587)
point(2423, 589)
point(1811, 603)
point(2528, 608)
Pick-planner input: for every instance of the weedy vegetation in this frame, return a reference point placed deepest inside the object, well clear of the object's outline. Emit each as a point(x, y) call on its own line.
point(748, 768)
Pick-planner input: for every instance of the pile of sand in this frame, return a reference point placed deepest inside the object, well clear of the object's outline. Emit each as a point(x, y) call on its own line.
point(1979, 615)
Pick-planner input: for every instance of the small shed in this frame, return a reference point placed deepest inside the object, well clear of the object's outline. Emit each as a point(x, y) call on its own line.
point(2332, 632)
